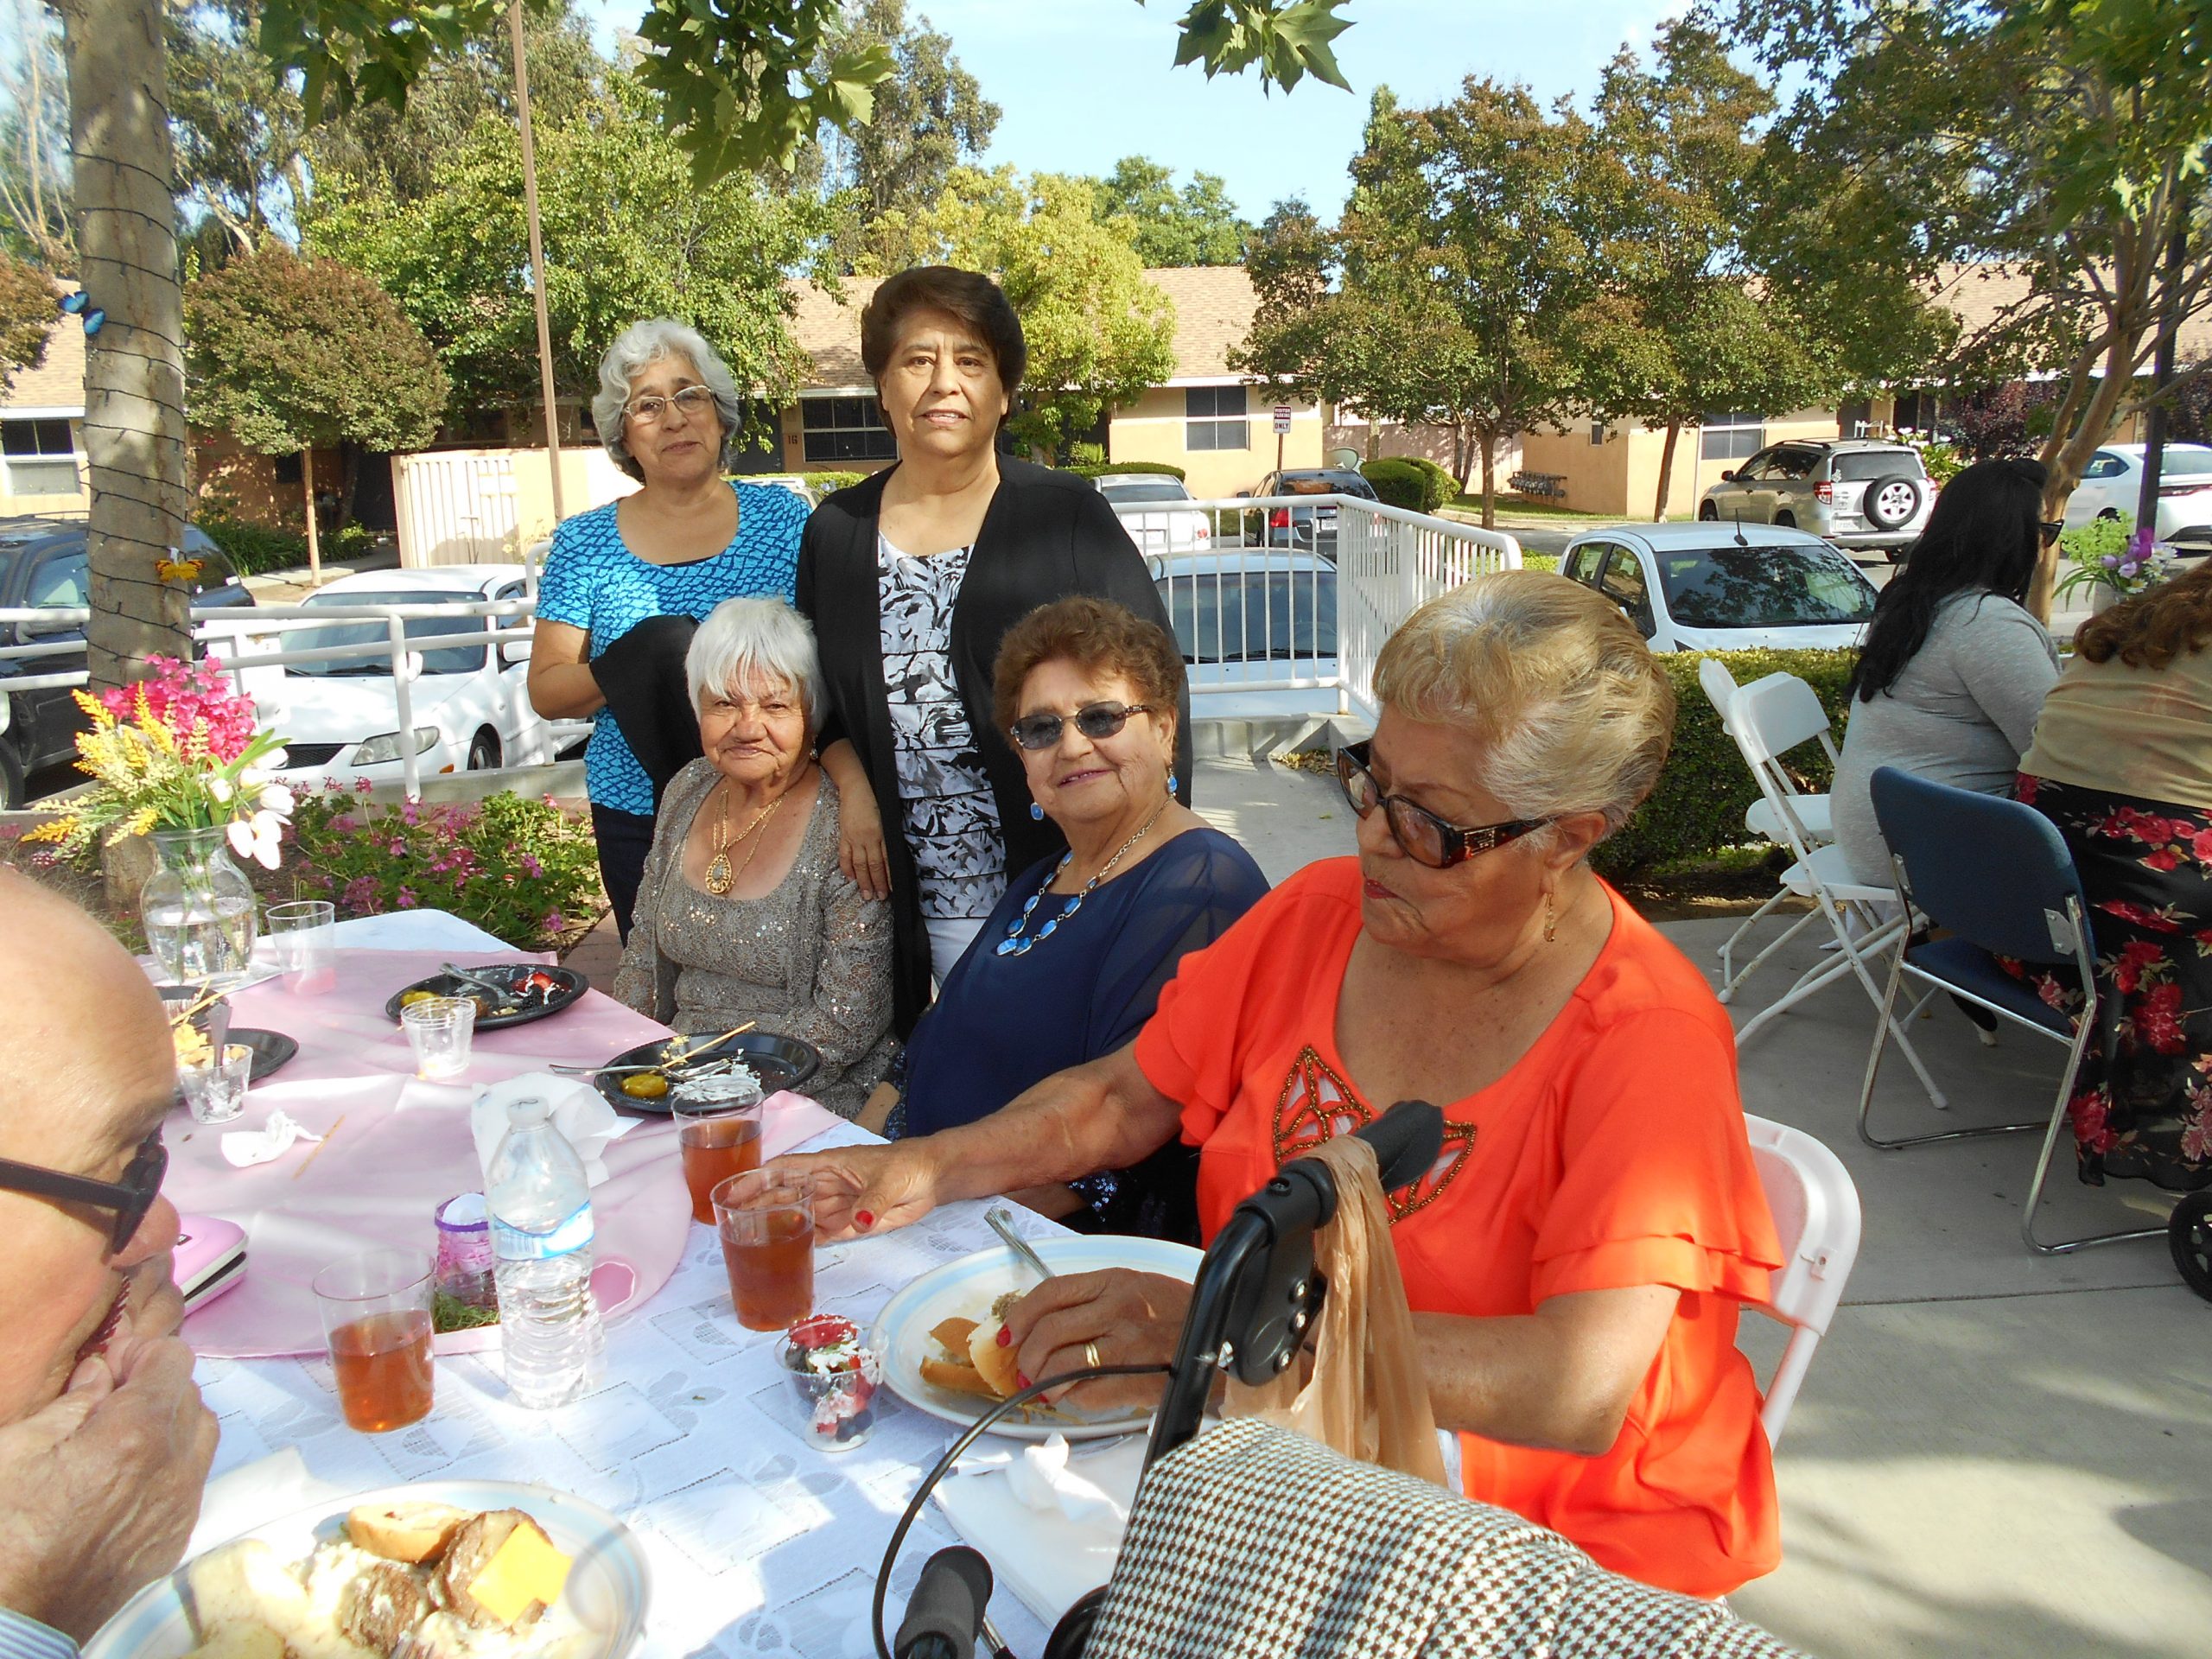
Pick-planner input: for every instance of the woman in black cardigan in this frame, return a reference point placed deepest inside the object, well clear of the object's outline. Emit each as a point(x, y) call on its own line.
point(911, 580)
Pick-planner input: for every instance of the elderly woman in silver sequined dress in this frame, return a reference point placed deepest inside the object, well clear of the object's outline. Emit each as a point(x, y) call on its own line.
point(743, 913)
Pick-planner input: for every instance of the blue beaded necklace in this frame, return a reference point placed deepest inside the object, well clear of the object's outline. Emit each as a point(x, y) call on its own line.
point(1014, 944)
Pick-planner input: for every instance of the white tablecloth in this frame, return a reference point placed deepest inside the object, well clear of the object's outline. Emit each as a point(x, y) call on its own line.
point(758, 1543)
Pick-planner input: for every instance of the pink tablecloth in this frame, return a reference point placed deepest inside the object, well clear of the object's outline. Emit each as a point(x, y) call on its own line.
point(404, 1147)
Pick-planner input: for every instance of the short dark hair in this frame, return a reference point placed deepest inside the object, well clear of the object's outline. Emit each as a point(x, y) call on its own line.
point(1093, 634)
point(967, 295)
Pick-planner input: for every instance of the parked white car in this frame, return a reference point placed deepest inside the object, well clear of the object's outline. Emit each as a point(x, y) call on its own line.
point(1248, 617)
point(1707, 587)
point(471, 707)
point(1146, 503)
point(2112, 487)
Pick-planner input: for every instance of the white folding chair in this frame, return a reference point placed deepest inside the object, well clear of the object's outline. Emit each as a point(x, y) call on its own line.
point(1768, 718)
point(1761, 819)
point(1815, 1209)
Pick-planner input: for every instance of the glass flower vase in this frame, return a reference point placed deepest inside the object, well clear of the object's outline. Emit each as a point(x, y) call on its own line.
point(199, 909)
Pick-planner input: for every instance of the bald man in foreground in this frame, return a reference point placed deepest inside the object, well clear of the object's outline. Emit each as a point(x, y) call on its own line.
point(104, 1442)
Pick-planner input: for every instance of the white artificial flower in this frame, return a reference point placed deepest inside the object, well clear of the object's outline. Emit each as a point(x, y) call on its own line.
point(275, 798)
point(239, 834)
point(267, 839)
point(252, 778)
point(220, 789)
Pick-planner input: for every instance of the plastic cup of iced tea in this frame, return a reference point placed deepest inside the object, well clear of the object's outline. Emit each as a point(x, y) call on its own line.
point(376, 1314)
point(767, 1234)
point(719, 1138)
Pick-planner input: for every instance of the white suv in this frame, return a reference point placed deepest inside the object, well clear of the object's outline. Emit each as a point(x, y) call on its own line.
point(1853, 491)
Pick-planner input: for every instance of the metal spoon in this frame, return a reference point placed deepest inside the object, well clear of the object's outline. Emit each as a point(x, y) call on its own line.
point(506, 992)
point(1002, 1220)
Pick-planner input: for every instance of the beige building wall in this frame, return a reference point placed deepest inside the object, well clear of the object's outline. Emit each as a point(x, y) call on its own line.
point(1155, 427)
point(1620, 475)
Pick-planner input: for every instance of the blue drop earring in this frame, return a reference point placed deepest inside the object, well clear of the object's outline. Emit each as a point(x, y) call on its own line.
point(1171, 782)
point(1036, 812)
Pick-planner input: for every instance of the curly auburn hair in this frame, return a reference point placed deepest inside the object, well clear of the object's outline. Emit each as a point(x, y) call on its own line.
point(1096, 635)
point(2152, 629)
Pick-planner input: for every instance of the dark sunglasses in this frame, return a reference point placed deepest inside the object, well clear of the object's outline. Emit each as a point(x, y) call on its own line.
point(1425, 838)
point(129, 1198)
point(2052, 530)
point(1035, 732)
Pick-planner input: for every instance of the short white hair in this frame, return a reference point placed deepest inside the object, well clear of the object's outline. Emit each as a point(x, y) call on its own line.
point(639, 346)
point(746, 638)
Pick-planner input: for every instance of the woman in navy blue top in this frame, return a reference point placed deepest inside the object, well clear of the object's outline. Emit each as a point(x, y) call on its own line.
point(1069, 965)
point(688, 539)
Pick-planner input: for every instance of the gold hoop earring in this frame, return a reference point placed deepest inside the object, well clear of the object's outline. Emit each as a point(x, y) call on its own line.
point(1551, 922)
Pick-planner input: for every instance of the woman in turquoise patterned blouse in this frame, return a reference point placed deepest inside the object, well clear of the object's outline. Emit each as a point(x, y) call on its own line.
point(687, 540)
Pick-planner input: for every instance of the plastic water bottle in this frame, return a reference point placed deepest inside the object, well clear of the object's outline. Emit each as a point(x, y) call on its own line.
point(542, 1234)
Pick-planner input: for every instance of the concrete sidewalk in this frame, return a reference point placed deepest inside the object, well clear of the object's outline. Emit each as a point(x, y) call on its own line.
point(1995, 1454)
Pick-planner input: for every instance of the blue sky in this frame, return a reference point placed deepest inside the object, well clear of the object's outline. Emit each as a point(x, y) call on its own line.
point(1083, 83)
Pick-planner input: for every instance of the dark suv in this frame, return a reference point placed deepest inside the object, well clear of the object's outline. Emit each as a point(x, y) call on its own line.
point(43, 567)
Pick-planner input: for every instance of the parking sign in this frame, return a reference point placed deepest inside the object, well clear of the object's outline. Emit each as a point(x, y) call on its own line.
point(1282, 417)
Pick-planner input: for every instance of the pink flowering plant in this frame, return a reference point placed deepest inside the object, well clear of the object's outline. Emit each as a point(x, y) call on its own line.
point(525, 870)
point(2106, 553)
point(179, 750)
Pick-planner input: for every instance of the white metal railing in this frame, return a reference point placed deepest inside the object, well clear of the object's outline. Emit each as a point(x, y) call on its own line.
point(508, 624)
point(1297, 593)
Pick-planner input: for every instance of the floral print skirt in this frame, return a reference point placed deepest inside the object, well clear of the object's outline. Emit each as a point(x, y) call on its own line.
point(2143, 1103)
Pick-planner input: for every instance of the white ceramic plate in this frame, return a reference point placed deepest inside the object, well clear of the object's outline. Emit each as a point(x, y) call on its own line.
point(608, 1590)
point(966, 1289)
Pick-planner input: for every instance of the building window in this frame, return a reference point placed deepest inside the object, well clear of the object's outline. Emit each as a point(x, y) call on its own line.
point(844, 428)
point(1214, 418)
point(1731, 437)
point(41, 455)
point(1597, 433)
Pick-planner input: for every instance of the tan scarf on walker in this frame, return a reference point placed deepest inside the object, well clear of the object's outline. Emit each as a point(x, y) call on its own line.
point(1368, 1397)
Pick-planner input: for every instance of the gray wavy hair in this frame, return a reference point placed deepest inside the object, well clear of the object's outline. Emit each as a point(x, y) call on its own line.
point(640, 346)
point(760, 637)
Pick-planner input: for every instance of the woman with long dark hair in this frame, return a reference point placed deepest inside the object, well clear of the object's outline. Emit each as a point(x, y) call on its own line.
point(1953, 671)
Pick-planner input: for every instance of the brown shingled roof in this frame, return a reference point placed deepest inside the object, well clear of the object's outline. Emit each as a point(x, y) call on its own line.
point(1213, 312)
point(59, 380)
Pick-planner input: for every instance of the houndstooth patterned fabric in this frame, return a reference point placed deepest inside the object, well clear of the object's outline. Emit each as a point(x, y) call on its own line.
point(1252, 1542)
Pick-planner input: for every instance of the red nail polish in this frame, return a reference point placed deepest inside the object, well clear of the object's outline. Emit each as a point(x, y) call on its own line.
point(866, 1220)
point(1005, 1336)
point(1019, 1381)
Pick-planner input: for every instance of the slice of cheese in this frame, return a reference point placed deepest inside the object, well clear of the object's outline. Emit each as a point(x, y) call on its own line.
point(525, 1569)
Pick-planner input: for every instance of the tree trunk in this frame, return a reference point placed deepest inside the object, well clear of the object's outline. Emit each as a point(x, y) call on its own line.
point(315, 542)
point(2066, 453)
point(1489, 480)
point(134, 367)
point(349, 484)
point(1665, 471)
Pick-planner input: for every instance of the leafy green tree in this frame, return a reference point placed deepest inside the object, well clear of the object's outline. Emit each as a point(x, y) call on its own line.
point(1446, 294)
point(288, 355)
point(1099, 333)
point(27, 317)
point(1675, 329)
point(627, 234)
point(35, 142)
point(236, 131)
point(2057, 146)
point(1195, 225)
point(930, 114)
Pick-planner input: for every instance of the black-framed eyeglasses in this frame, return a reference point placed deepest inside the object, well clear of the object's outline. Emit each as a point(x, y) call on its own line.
point(1425, 838)
point(130, 1198)
point(1035, 732)
point(2052, 530)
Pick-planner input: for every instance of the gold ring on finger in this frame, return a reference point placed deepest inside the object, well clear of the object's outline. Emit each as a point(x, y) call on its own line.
point(1091, 1356)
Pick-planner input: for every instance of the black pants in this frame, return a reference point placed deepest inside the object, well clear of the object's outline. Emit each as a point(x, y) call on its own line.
point(624, 840)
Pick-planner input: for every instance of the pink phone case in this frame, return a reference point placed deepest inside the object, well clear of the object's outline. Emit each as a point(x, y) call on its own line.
point(209, 1257)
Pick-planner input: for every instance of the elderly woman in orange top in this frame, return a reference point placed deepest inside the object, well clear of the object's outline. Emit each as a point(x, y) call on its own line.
point(1576, 1259)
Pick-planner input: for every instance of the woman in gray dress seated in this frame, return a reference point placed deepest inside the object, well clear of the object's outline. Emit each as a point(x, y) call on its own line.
point(743, 913)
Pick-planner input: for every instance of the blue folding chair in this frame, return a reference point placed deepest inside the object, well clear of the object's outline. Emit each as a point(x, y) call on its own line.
point(1997, 877)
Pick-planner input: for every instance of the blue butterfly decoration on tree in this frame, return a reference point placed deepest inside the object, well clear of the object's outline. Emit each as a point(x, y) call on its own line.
point(81, 305)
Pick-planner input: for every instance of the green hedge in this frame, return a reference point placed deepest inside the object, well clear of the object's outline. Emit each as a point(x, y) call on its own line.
point(256, 550)
point(1413, 482)
point(827, 483)
point(1699, 807)
point(1101, 468)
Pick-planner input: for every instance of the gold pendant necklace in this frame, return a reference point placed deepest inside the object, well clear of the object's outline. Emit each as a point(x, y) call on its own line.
point(721, 878)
